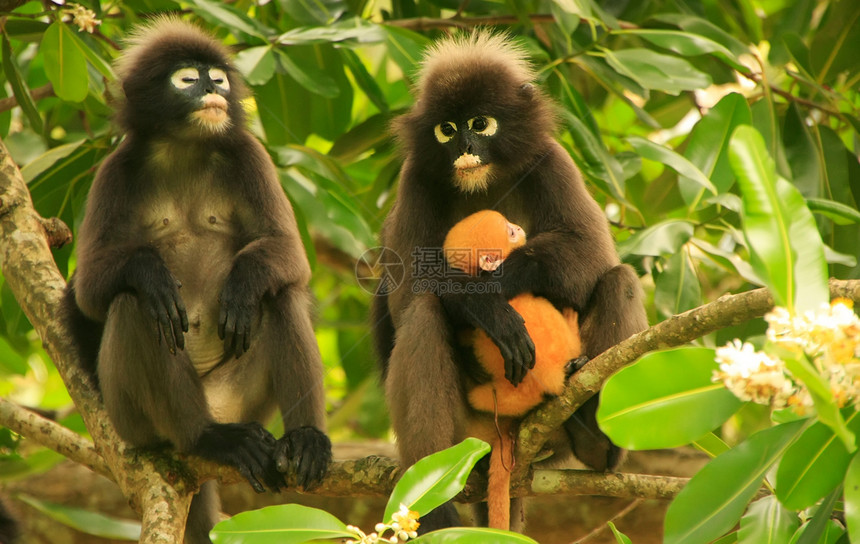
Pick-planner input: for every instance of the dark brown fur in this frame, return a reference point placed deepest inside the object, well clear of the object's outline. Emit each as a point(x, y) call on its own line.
point(569, 258)
point(190, 260)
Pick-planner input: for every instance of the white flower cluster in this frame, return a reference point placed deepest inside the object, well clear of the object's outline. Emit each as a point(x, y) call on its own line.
point(404, 524)
point(828, 337)
point(83, 17)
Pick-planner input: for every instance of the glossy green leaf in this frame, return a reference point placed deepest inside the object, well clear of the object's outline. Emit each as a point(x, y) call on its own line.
point(707, 147)
point(363, 78)
point(604, 169)
point(821, 529)
point(840, 213)
point(676, 286)
point(813, 466)
point(781, 233)
point(656, 71)
point(65, 63)
point(702, 27)
point(767, 522)
point(19, 87)
point(43, 162)
point(473, 535)
point(280, 524)
point(711, 444)
point(95, 59)
point(353, 30)
point(665, 399)
point(316, 12)
point(664, 238)
point(283, 123)
point(852, 497)
point(91, 523)
point(655, 152)
point(685, 43)
point(221, 14)
point(317, 82)
point(835, 45)
point(257, 64)
point(405, 48)
point(728, 260)
point(437, 478)
point(716, 497)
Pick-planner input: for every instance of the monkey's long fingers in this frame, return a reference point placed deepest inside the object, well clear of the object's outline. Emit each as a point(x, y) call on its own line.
point(178, 322)
point(166, 328)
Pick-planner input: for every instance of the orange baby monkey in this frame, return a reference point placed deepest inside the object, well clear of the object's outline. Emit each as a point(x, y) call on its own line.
point(480, 242)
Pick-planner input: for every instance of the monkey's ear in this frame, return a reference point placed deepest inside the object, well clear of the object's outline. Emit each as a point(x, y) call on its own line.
point(489, 262)
point(527, 90)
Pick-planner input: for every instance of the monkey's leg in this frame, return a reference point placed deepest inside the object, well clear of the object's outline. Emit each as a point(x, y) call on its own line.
point(203, 514)
point(615, 312)
point(424, 393)
point(296, 372)
point(152, 395)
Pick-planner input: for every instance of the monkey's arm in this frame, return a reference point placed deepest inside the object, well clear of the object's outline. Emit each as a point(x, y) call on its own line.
point(272, 257)
point(113, 258)
point(478, 303)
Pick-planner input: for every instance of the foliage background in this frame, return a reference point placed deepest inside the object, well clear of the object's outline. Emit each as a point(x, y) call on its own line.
point(650, 93)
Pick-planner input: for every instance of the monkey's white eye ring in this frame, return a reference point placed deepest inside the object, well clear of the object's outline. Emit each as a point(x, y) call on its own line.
point(485, 126)
point(445, 131)
point(219, 78)
point(184, 77)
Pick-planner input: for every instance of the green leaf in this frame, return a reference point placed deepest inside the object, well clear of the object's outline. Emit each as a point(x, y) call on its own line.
point(676, 287)
point(707, 147)
point(87, 522)
point(314, 81)
point(314, 12)
point(19, 88)
point(283, 123)
point(664, 400)
point(825, 405)
point(767, 522)
point(257, 64)
point(656, 71)
point(65, 63)
point(353, 30)
point(280, 524)
point(716, 497)
point(604, 169)
point(43, 162)
point(405, 48)
point(364, 80)
point(620, 537)
point(664, 238)
point(649, 150)
point(852, 496)
point(841, 214)
point(437, 478)
point(782, 236)
point(711, 444)
point(220, 14)
point(703, 27)
point(821, 529)
point(685, 43)
point(813, 466)
point(97, 61)
point(473, 535)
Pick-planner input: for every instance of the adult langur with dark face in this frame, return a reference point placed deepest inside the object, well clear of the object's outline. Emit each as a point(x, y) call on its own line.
point(191, 287)
point(480, 136)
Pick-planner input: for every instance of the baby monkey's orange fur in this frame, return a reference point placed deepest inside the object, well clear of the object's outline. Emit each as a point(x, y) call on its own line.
point(479, 242)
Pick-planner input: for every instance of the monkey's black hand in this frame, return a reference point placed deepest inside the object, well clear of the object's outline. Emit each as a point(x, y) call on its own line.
point(158, 292)
point(503, 325)
point(248, 447)
point(307, 450)
point(508, 331)
point(239, 305)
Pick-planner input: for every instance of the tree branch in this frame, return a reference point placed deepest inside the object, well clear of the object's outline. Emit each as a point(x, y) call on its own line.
point(52, 435)
point(38, 93)
point(727, 311)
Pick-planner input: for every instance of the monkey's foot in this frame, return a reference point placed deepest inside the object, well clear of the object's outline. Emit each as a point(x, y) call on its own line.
point(248, 447)
point(307, 450)
point(574, 365)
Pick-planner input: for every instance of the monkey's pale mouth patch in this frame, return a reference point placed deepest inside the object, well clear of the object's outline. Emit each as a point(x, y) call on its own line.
point(213, 112)
point(471, 173)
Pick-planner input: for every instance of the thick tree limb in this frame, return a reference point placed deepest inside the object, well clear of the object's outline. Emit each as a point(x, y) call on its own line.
point(31, 273)
point(727, 311)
